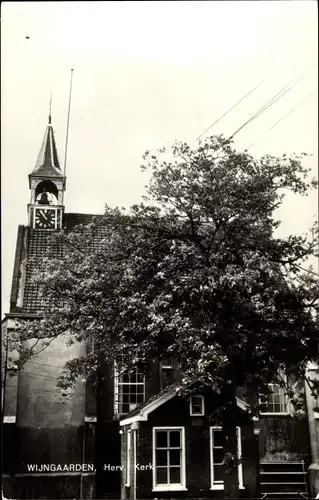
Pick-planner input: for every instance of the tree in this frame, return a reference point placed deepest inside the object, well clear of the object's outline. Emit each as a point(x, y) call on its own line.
point(195, 270)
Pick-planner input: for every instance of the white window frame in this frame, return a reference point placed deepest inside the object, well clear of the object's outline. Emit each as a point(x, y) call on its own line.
point(219, 485)
point(202, 412)
point(175, 486)
point(281, 394)
point(167, 366)
point(239, 458)
point(128, 459)
point(118, 384)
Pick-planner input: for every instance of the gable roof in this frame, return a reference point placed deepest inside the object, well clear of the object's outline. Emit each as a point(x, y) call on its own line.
point(141, 413)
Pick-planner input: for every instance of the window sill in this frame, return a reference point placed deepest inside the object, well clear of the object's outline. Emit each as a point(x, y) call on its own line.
point(9, 420)
point(221, 487)
point(313, 366)
point(169, 487)
point(217, 487)
point(91, 420)
point(270, 414)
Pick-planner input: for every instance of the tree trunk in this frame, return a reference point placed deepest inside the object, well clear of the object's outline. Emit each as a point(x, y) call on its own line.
point(231, 480)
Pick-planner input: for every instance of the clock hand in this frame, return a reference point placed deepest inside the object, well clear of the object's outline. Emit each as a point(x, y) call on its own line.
point(41, 212)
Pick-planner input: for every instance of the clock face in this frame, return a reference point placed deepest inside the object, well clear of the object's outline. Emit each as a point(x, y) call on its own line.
point(45, 218)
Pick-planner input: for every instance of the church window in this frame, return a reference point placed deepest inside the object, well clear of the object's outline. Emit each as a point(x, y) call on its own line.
point(129, 389)
point(167, 372)
point(275, 401)
point(167, 363)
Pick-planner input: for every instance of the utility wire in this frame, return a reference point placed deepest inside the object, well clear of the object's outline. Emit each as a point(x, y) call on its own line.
point(307, 270)
point(282, 118)
point(244, 97)
point(33, 389)
point(270, 103)
point(44, 364)
point(37, 375)
point(229, 110)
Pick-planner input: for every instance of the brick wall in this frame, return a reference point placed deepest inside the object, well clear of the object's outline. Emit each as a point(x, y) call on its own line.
point(48, 446)
point(285, 438)
point(51, 488)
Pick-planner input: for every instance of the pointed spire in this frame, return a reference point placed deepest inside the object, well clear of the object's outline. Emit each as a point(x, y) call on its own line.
point(48, 163)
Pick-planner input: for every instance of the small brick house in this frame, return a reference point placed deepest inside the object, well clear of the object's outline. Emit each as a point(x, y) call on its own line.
point(169, 448)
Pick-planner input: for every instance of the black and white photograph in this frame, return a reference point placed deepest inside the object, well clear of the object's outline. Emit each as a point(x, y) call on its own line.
point(160, 250)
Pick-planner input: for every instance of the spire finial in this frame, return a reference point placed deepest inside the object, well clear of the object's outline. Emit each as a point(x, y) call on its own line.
point(50, 107)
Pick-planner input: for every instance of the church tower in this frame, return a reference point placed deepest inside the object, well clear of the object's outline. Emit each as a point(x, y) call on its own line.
point(47, 185)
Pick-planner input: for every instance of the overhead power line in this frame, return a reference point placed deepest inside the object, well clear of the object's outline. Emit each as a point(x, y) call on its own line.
point(44, 364)
point(282, 118)
point(34, 389)
point(270, 103)
point(38, 375)
point(306, 70)
point(230, 109)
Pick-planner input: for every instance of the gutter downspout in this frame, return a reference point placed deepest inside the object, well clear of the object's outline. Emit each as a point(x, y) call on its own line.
point(5, 376)
point(134, 428)
point(83, 461)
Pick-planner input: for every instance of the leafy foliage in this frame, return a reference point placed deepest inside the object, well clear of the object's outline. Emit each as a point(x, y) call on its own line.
point(195, 271)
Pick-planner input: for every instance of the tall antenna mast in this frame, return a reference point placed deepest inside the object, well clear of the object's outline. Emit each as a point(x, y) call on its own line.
point(50, 106)
point(67, 133)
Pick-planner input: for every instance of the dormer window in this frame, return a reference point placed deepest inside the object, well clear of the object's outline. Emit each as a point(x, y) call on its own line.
point(197, 406)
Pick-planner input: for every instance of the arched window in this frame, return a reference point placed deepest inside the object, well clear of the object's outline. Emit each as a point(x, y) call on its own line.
point(46, 193)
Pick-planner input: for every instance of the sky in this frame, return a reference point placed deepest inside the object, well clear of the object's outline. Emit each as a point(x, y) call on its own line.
point(146, 74)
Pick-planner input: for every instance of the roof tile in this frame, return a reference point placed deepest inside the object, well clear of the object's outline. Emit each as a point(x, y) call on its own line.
point(41, 243)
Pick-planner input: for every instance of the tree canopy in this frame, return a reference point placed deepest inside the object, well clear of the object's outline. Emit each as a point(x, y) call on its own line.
point(196, 271)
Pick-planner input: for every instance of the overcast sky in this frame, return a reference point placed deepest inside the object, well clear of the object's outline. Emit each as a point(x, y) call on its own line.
point(145, 74)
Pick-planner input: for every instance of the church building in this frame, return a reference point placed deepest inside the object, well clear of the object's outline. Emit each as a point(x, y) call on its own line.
point(155, 444)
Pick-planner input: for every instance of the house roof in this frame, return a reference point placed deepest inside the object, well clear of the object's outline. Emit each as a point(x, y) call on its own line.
point(31, 246)
point(141, 413)
point(150, 405)
point(47, 164)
